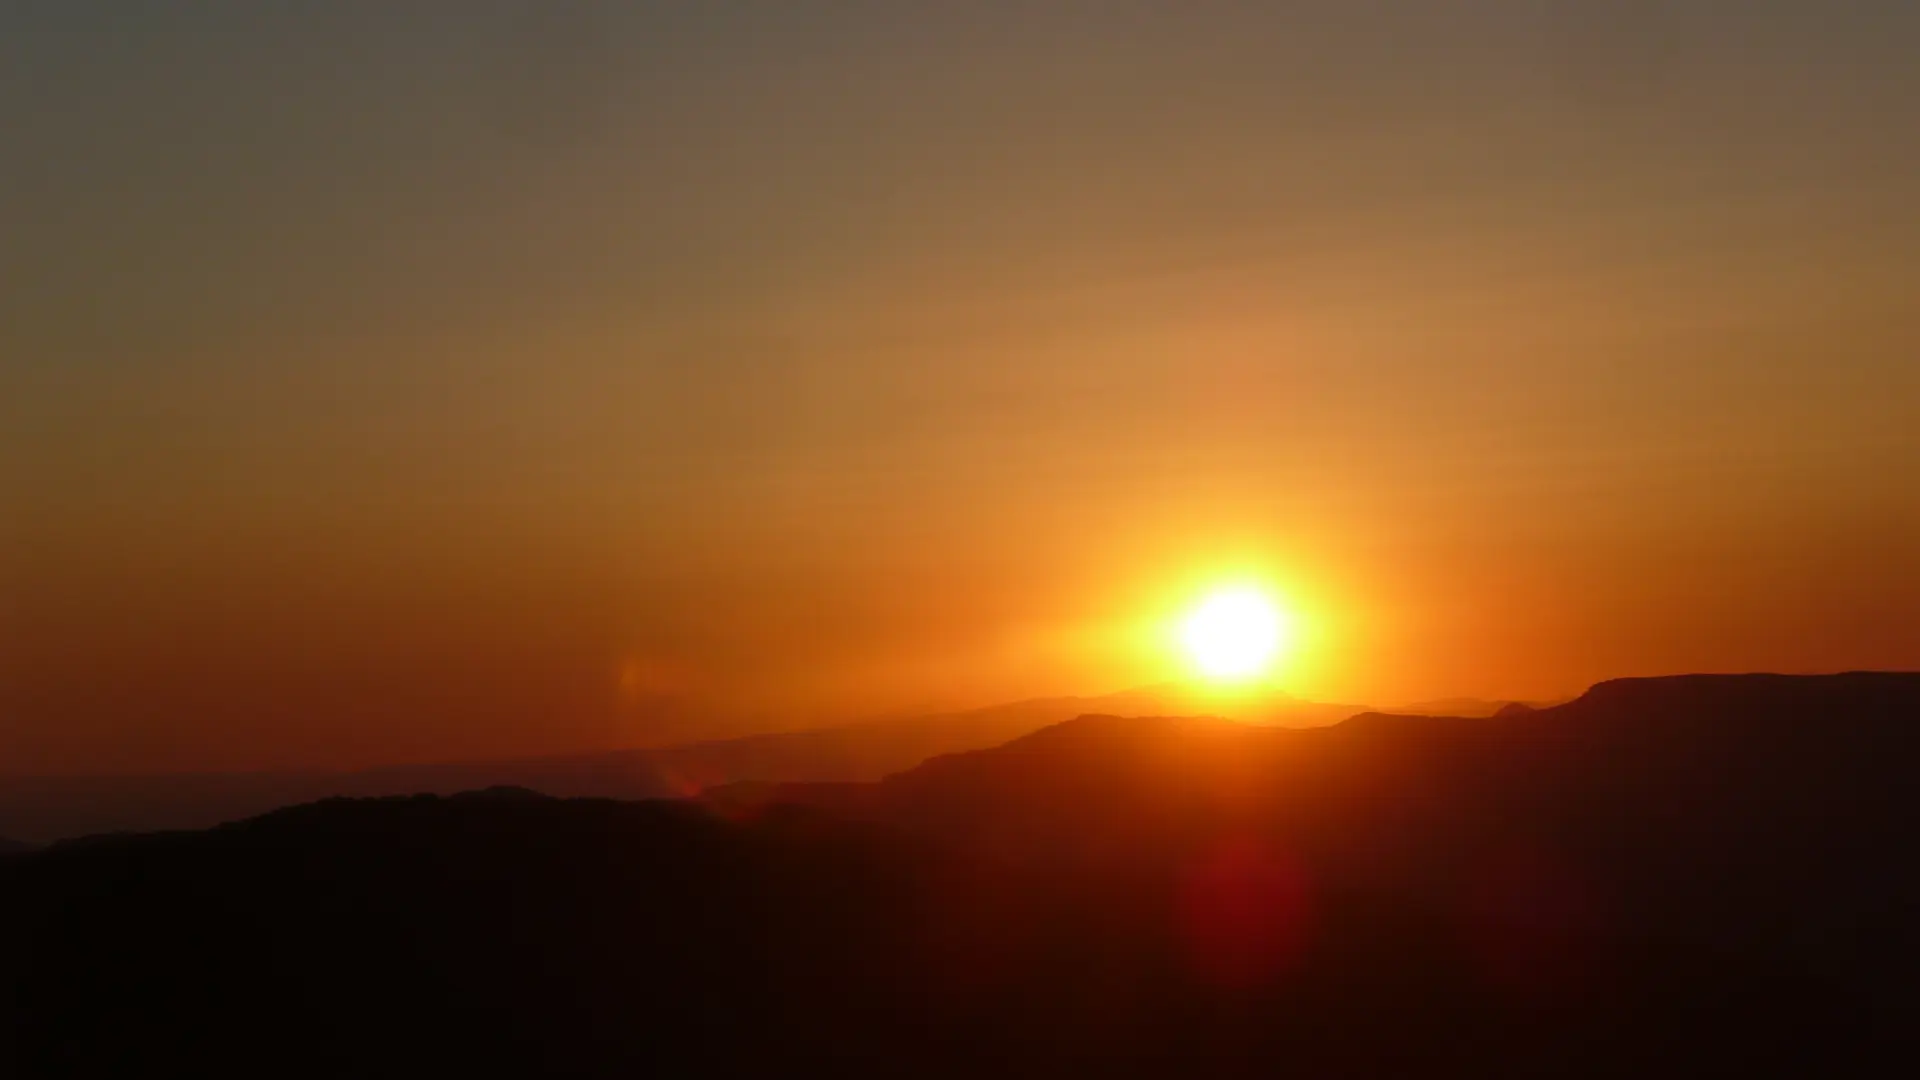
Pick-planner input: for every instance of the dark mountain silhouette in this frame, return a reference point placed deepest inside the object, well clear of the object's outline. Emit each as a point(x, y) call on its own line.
point(1773, 780)
point(1674, 876)
point(13, 847)
point(51, 808)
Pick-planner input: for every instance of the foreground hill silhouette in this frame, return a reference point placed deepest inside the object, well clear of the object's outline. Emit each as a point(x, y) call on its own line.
point(48, 808)
point(1695, 875)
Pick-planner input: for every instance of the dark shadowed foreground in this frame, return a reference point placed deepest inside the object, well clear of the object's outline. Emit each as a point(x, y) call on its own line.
point(1665, 876)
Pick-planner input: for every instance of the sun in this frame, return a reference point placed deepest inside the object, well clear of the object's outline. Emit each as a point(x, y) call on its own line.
point(1234, 634)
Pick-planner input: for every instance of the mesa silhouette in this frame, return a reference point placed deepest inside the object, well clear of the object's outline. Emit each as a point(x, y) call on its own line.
point(1691, 874)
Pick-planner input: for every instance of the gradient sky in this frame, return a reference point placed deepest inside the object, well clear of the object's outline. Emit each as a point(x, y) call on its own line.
point(400, 381)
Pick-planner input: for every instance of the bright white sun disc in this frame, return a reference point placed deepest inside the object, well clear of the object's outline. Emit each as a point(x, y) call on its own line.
point(1234, 634)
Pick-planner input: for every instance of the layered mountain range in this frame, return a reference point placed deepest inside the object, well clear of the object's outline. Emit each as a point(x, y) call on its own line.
point(1691, 875)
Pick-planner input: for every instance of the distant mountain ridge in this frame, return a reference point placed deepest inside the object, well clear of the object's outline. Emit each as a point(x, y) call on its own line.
point(1766, 760)
point(49, 808)
point(42, 809)
point(1469, 706)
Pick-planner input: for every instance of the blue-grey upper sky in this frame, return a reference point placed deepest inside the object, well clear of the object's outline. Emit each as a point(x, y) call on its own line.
point(386, 380)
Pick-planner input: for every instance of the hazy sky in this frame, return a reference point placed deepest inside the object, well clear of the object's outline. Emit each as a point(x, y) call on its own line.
point(389, 381)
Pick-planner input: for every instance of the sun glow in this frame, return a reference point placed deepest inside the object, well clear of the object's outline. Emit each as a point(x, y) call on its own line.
point(1235, 634)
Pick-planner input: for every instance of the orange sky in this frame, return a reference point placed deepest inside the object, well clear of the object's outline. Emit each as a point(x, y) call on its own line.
point(381, 387)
